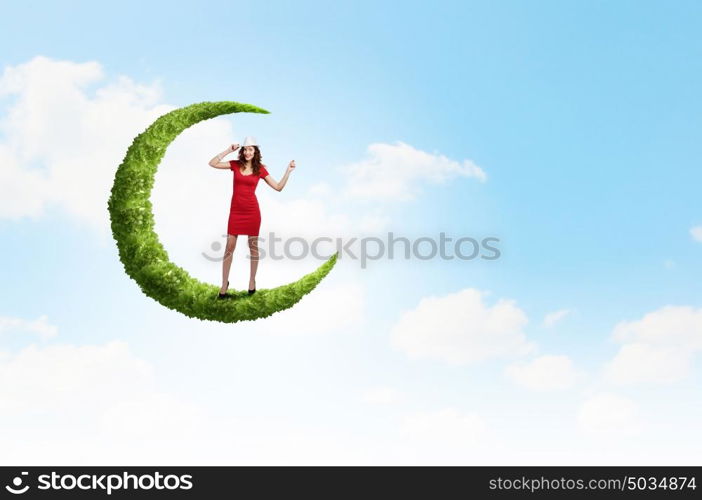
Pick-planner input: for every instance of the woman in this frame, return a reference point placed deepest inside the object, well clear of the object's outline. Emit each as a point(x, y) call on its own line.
point(244, 213)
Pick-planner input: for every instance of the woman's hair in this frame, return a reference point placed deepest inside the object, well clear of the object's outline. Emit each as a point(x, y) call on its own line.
point(255, 161)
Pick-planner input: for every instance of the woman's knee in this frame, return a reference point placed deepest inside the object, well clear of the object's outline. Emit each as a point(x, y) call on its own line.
point(229, 247)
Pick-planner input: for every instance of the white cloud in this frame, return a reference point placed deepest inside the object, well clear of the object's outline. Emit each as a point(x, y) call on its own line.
point(23, 192)
point(153, 416)
point(545, 373)
point(64, 142)
point(60, 378)
point(445, 426)
point(554, 317)
point(669, 325)
point(459, 328)
point(382, 395)
point(609, 414)
point(696, 233)
point(646, 363)
point(394, 172)
point(333, 306)
point(320, 189)
point(101, 404)
point(39, 326)
point(312, 218)
point(658, 348)
point(101, 388)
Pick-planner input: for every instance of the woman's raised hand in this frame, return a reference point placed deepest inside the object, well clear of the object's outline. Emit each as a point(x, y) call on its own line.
point(234, 147)
point(291, 166)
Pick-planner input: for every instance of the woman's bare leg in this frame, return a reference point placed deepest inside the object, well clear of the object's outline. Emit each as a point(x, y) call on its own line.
point(253, 251)
point(227, 262)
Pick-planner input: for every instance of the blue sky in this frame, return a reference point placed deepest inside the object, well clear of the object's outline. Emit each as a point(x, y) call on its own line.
point(583, 115)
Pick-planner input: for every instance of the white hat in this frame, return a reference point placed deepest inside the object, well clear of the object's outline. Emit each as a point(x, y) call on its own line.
point(249, 141)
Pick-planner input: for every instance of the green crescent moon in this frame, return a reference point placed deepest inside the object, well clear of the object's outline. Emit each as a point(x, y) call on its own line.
point(144, 258)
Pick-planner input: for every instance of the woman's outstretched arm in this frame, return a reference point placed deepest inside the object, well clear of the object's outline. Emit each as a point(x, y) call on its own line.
point(279, 185)
point(217, 162)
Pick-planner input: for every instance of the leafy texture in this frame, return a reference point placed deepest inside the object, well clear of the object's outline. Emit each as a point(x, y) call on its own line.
point(144, 258)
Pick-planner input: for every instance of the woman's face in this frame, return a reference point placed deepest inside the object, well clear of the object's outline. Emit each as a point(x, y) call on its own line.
point(249, 152)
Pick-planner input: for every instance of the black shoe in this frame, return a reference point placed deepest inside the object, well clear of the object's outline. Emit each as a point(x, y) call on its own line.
point(224, 295)
point(251, 292)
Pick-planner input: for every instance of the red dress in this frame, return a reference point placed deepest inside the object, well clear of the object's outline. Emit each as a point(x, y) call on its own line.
point(244, 214)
